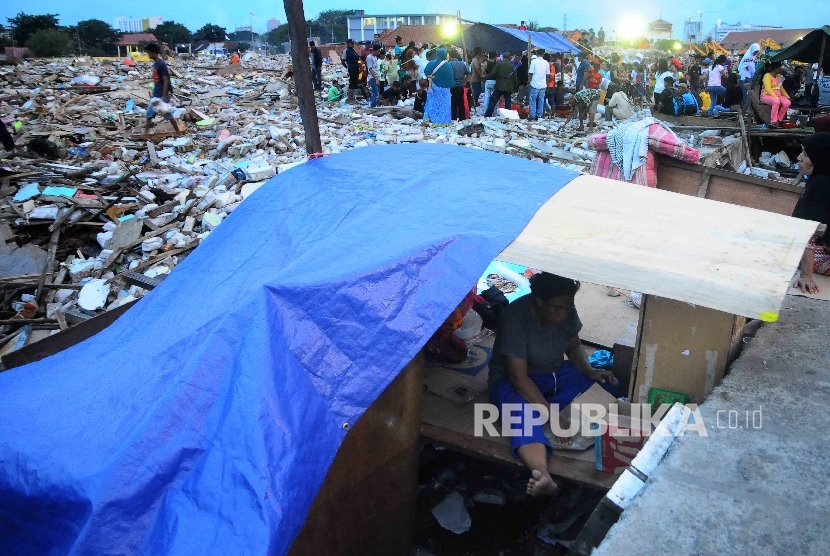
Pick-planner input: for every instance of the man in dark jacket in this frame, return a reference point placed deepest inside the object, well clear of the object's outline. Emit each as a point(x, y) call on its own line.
point(316, 66)
point(352, 63)
point(504, 74)
point(459, 73)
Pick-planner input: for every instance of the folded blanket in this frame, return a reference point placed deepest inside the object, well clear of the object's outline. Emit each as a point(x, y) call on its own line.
point(628, 145)
point(658, 141)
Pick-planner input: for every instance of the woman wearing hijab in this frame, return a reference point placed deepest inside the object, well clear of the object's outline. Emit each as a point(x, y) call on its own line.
point(814, 204)
point(439, 72)
point(746, 68)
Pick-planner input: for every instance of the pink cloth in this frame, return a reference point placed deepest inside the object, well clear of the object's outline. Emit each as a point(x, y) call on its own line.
point(780, 105)
point(659, 141)
point(603, 167)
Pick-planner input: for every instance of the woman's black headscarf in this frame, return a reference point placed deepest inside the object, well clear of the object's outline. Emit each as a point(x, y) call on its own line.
point(814, 203)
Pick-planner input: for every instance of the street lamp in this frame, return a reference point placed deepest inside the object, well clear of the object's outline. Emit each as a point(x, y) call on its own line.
point(252, 31)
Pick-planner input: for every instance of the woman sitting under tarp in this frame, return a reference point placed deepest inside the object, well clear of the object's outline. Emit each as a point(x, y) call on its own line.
point(535, 333)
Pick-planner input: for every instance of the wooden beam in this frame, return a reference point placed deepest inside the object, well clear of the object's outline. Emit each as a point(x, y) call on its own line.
point(295, 14)
point(577, 470)
point(50, 260)
point(704, 184)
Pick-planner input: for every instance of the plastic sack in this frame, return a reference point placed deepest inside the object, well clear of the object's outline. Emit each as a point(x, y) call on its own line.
point(601, 359)
point(86, 79)
point(161, 107)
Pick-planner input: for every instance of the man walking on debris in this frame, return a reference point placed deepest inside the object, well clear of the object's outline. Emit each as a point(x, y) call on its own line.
point(316, 66)
point(162, 88)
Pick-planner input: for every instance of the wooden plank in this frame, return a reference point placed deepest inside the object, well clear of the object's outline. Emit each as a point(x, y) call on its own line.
point(663, 160)
point(718, 255)
point(579, 471)
point(50, 260)
point(63, 340)
point(704, 184)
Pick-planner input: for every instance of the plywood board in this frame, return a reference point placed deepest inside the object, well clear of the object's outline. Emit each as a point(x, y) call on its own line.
point(725, 257)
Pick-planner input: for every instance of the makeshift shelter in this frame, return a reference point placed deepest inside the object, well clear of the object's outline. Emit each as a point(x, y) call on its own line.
point(206, 418)
point(507, 39)
point(813, 48)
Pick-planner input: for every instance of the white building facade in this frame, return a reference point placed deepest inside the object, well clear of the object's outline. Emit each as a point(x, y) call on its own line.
point(128, 24)
point(722, 29)
point(362, 27)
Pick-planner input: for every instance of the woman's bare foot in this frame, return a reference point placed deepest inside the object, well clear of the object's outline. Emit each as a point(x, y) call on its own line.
point(541, 484)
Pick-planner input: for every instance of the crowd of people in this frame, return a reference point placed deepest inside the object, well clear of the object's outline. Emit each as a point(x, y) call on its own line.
point(444, 86)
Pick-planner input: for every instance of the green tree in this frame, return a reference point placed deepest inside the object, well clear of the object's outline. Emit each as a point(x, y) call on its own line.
point(532, 25)
point(95, 35)
point(330, 23)
point(210, 32)
point(50, 42)
point(172, 33)
point(241, 36)
point(243, 46)
point(277, 36)
point(25, 25)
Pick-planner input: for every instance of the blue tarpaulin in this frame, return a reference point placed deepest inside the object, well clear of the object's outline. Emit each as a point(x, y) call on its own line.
point(204, 419)
point(507, 39)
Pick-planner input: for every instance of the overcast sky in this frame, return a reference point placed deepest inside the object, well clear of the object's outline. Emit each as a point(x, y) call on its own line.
point(582, 14)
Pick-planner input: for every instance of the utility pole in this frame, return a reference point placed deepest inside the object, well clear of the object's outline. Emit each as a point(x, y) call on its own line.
point(302, 74)
point(564, 22)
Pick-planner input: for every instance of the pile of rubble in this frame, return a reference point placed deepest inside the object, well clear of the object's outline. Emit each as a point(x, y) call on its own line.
point(93, 212)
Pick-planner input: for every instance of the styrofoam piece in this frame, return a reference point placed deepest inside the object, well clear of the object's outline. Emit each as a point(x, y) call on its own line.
point(250, 187)
point(152, 244)
point(508, 114)
point(104, 239)
point(93, 295)
point(211, 220)
point(46, 212)
point(63, 294)
point(260, 172)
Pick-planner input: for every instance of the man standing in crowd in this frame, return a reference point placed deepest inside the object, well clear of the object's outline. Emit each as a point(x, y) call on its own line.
point(478, 72)
point(316, 66)
point(489, 84)
point(538, 80)
point(581, 70)
point(459, 73)
point(504, 75)
point(352, 63)
point(373, 75)
point(376, 42)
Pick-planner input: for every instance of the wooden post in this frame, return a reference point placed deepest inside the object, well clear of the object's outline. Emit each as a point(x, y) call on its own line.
point(295, 14)
point(461, 30)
